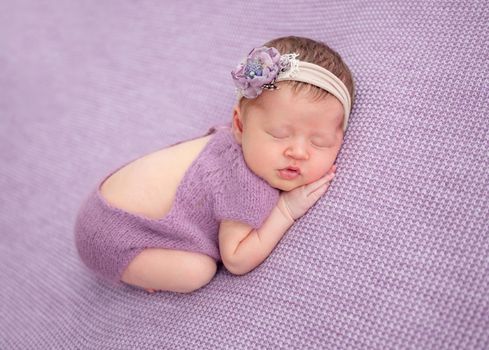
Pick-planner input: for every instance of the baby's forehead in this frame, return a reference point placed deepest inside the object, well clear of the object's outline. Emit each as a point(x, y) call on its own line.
point(293, 118)
point(288, 106)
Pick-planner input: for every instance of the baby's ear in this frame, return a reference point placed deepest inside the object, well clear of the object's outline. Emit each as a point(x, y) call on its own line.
point(237, 124)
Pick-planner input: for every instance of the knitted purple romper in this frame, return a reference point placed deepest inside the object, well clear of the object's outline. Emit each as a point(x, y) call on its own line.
point(217, 186)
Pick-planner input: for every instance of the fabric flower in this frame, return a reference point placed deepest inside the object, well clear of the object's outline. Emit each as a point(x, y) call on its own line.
point(261, 67)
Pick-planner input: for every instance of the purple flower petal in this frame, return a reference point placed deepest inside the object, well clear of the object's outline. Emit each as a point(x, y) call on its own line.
point(260, 67)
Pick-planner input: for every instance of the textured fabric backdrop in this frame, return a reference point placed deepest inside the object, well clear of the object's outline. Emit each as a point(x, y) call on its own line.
point(396, 255)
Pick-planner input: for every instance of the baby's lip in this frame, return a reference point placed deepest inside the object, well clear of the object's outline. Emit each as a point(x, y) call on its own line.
point(294, 168)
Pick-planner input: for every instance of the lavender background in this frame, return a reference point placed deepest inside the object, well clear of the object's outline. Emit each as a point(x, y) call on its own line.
point(396, 255)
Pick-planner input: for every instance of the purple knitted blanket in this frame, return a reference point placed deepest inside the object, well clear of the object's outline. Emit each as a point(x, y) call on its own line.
point(395, 256)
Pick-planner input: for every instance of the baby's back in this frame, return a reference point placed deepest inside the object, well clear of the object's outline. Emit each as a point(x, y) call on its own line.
point(148, 185)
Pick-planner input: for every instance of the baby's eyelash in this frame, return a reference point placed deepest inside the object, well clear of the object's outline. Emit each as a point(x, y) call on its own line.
point(277, 137)
point(319, 146)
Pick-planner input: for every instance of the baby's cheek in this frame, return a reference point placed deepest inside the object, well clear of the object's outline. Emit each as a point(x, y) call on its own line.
point(256, 160)
point(318, 170)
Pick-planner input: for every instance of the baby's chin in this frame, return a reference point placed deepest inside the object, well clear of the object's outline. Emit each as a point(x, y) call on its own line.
point(285, 186)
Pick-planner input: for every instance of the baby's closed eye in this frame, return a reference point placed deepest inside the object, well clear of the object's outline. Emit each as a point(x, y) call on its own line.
point(317, 141)
point(320, 142)
point(278, 134)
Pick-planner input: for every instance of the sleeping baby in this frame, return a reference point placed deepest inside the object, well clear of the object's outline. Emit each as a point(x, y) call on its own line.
point(164, 221)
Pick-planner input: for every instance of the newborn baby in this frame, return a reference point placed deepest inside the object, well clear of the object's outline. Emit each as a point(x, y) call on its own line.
point(164, 221)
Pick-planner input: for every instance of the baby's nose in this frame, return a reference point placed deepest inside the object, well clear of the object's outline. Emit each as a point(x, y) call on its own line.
point(298, 150)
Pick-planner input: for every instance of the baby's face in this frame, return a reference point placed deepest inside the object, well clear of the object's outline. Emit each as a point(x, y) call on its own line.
point(287, 139)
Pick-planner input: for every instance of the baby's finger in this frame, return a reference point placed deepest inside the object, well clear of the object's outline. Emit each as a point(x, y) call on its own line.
point(331, 170)
point(319, 192)
point(318, 183)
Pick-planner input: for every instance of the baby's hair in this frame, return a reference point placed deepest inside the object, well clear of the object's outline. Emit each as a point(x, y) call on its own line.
point(316, 52)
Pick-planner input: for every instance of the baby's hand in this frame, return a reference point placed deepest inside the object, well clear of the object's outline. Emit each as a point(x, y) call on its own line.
point(297, 202)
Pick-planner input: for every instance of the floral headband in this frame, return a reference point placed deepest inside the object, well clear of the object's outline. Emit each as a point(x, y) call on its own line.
point(265, 66)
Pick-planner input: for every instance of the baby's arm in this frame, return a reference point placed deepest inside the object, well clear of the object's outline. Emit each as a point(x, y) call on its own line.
point(243, 248)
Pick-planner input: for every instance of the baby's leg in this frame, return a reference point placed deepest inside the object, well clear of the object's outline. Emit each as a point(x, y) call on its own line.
point(169, 270)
